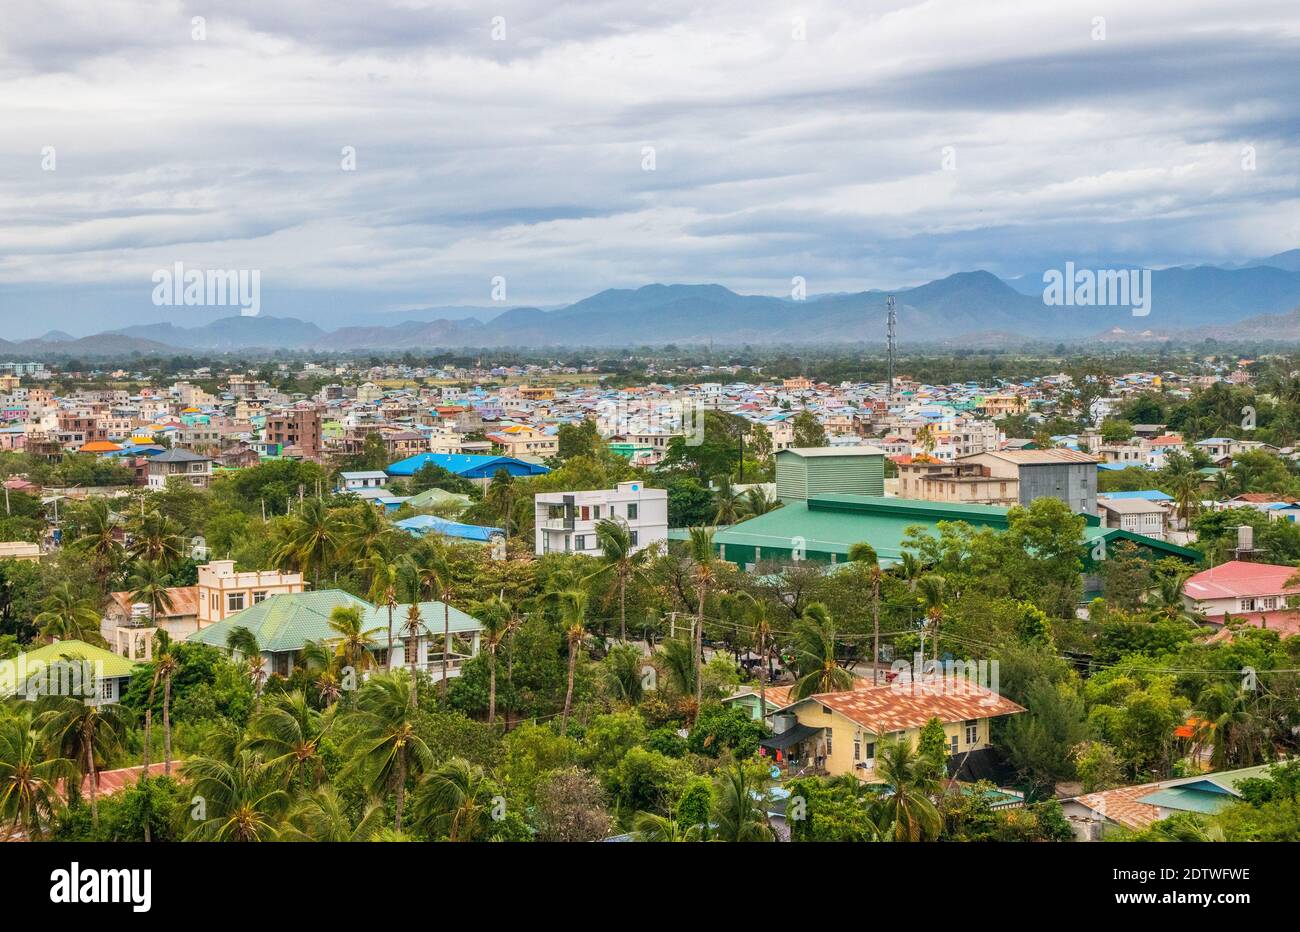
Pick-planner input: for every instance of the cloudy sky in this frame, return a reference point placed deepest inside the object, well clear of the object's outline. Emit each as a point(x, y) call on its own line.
point(857, 144)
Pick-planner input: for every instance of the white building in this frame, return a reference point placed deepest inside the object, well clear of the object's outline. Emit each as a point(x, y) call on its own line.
point(566, 521)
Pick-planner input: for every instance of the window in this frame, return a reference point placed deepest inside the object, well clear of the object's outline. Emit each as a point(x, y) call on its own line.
point(973, 732)
point(107, 688)
point(1247, 605)
point(580, 542)
point(631, 511)
point(595, 512)
point(857, 748)
point(952, 744)
point(1268, 603)
point(829, 734)
point(412, 651)
point(235, 602)
point(871, 752)
point(634, 538)
point(259, 596)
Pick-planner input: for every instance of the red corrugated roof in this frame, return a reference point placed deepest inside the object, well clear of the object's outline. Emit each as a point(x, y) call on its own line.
point(1238, 578)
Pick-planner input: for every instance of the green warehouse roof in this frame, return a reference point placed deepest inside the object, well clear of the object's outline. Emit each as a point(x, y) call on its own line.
point(831, 524)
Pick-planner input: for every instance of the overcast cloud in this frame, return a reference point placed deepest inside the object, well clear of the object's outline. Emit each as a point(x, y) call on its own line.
point(523, 156)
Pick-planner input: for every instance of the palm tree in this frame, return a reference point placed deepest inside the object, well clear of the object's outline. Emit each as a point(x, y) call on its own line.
point(727, 500)
point(498, 620)
point(64, 616)
point(383, 591)
point(499, 497)
point(737, 815)
point(156, 539)
point(760, 626)
point(354, 644)
point(865, 553)
point(242, 641)
point(701, 551)
point(814, 652)
point(573, 618)
point(322, 816)
point(1240, 736)
point(80, 732)
point(623, 666)
point(413, 628)
point(388, 749)
point(314, 536)
point(97, 540)
point(368, 535)
point(623, 559)
point(758, 502)
point(287, 733)
point(149, 585)
point(1224, 486)
point(243, 799)
point(650, 826)
point(455, 799)
point(29, 777)
point(910, 568)
point(678, 657)
point(165, 666)
point(906, 813)
point(932, 587)
point(1169, 603)
point(434, 571)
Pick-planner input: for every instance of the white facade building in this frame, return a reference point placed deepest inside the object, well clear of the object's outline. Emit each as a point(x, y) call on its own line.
point(566, 521)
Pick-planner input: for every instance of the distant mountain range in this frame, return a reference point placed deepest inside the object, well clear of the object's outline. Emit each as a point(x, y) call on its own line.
point(1255, 301)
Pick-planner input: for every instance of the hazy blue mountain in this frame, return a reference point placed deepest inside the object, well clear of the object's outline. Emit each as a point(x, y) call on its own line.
point(963, 309)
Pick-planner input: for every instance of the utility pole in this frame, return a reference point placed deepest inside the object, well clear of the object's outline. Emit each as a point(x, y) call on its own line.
point(891, 323)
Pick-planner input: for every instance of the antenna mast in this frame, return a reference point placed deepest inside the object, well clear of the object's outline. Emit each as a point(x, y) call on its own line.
point(891, 323)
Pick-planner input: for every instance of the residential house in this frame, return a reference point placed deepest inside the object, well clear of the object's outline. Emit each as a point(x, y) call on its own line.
point(841, 733)
point(566, 521)
point(179, 464)
point(1069, 475)
point(66, 668)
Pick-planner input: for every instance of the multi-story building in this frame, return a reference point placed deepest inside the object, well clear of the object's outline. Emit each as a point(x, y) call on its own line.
point(296, 427)
point(179, 464)
point(222, 591)
point(968, 483)
point(1068, 475)
point(566, 521)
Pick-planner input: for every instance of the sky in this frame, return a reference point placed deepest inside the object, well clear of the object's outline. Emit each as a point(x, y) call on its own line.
point(373, 157)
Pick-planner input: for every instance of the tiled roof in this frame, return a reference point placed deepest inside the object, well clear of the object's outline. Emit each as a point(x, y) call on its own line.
point(185, 601)
point(902, 705)
point(1121, 805)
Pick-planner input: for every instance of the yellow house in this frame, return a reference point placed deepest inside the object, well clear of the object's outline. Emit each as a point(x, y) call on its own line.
point(840, 733)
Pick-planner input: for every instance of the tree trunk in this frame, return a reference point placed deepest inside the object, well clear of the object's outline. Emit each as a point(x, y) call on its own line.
point(568, 693)
point(167, 727)
point(699, 651)
point(446, 644)
point(401, 790)
point(148, 730)
point(492, 685)
point(390, 637)
point(875, 636)
point(622, 609)
point(94, 782)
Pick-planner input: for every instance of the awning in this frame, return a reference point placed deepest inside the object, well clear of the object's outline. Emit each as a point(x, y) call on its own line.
point(789, 737)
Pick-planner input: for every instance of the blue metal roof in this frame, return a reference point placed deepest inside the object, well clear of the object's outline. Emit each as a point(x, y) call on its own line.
point(1146, 495)
point(425, 524)
point(466, 465)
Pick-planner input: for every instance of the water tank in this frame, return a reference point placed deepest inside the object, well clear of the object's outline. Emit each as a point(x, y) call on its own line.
point(1245, 538)
point(783, 723)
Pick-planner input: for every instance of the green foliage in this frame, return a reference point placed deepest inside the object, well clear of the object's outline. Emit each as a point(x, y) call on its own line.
point(725, 728)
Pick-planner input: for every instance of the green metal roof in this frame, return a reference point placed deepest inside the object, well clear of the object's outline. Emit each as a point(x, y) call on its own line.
point(832, 524)
point(1188, 799)
point(107, 663)
point(285, 622)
